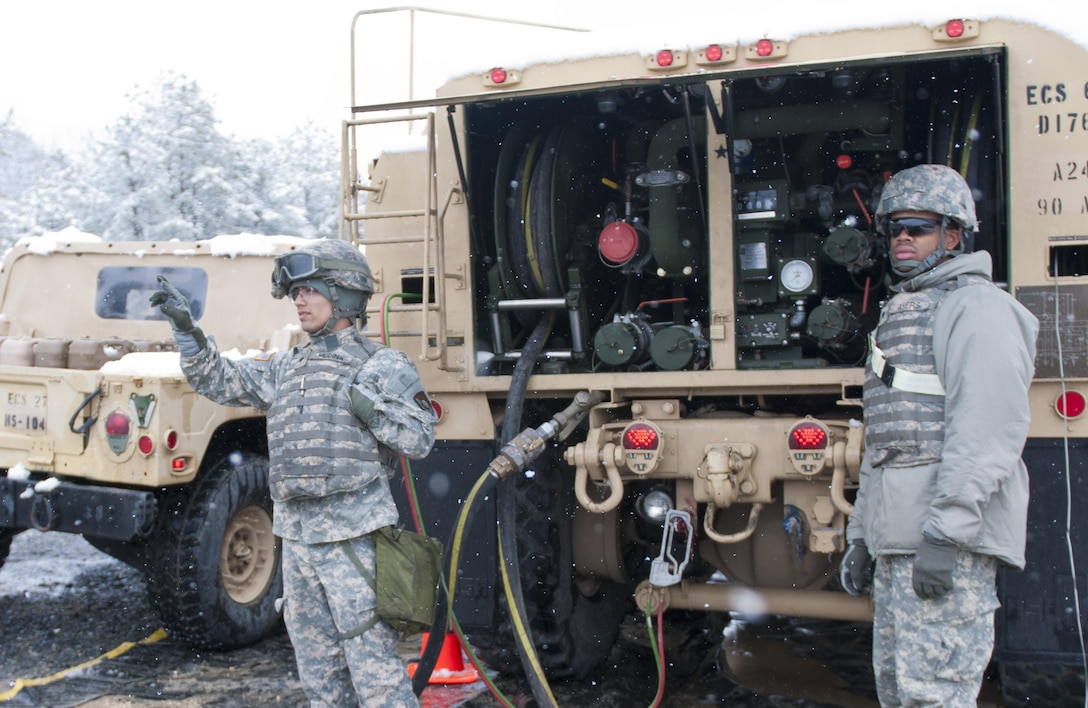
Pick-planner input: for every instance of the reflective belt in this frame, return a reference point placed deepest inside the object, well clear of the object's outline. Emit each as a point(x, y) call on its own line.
point(927, 384)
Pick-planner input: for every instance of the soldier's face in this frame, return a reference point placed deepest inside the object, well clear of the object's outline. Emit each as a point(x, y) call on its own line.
point(313, 308)
point(905, 247)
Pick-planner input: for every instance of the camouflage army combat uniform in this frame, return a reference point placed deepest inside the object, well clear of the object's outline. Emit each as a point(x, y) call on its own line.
point(943, 492)
point(329, 463)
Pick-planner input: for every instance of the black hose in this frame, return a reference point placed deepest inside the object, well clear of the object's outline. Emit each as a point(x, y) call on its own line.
point(507, 496)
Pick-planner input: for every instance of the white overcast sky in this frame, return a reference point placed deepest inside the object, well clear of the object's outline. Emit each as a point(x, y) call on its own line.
point(66, 66)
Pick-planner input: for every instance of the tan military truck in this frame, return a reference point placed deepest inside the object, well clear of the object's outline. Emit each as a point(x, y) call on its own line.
point(686, 231)
point(103, 437)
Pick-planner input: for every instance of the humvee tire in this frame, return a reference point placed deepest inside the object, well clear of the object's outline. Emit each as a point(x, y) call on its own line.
point(215, 575)
point(5, 544)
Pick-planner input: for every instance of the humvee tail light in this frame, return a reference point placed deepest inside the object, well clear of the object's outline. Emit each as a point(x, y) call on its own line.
point(117, 431)
point(1070, 405)
point(178, 465)
point(716, 54)
point(170, 439)
point(808, 442)
point(145, 445)
point(713, 53)
point(499, 77)
point(766, 49)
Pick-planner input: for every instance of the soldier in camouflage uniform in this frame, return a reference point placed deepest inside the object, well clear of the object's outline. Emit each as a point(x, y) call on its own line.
point(943, 492)
point(340, 408)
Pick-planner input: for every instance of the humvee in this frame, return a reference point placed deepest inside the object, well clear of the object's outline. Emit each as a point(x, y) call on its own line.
point(103, 437)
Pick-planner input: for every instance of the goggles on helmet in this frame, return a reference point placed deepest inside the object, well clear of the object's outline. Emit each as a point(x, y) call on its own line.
point(913, 225)
point(290, 267)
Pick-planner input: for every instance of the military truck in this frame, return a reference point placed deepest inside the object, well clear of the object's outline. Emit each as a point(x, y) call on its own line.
point(103, 437)
point(685, 231)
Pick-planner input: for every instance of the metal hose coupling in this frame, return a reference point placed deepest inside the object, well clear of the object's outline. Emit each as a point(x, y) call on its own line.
point(527, 445)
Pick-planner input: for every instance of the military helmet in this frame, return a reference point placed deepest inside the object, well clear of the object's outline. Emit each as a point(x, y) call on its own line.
point(934, 188)
point(337, 269)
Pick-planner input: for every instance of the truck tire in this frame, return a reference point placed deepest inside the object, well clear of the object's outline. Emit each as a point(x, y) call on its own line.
point(5, 544)
point(573, 632)
point(215, 573)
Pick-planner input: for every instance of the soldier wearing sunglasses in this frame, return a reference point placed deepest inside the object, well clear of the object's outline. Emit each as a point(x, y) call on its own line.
point(943, 492)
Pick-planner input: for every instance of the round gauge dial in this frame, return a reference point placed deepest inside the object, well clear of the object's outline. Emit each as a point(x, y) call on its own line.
point(796, 275)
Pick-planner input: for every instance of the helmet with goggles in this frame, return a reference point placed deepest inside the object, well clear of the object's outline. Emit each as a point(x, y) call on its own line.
point(334, 268)
point(936, 189)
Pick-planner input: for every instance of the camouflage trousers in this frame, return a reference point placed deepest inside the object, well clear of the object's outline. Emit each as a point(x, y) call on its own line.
point(932, 652)
point(326, 602)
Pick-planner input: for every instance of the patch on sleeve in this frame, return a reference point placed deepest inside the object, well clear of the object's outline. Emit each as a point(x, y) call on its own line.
point(422, 401)
point(262, 356)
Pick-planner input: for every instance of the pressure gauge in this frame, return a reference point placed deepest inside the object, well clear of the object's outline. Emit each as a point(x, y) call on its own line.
point(796, 275)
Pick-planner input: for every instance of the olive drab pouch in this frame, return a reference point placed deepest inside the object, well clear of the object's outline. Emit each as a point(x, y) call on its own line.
point(409, 566)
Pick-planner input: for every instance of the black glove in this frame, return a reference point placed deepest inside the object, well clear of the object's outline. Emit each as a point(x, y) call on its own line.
point(175, 308)
point(856, 570)
point(933, 564)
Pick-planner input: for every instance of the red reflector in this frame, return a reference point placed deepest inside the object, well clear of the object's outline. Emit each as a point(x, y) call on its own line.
point(437, 408)
point(844, 162)
point(664, 58)
point(954, 28)
point(145, 445)
point(764, 47)
point(170, 440)
point(618, 242)
point(808, 436)
point(714, 53)
point(498, 76)
point(117, 424)
point(1070, 405)
point(640, 436)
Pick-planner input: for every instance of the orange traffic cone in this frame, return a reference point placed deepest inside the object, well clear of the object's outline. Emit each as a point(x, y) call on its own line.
point(450, 667)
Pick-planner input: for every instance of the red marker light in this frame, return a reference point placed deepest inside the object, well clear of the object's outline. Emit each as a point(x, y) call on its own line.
point(439, 411)
point(618, 242)
point(117, 424)
point(954, 28)
point(498, 75)
point(145, 445)
point(808, 436)
point(640, 436)
point(844, 162)
point(664, 58)
point(170, 439)
point(1070, 405)
point(714, 52)
point(764, 47)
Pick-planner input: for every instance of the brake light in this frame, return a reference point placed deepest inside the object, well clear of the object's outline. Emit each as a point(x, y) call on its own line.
point(117, 431)
point(642, 447)
point(179, 465)
point(1070, 405)
point(808, 436)
point(640, 436)
point(807, 442)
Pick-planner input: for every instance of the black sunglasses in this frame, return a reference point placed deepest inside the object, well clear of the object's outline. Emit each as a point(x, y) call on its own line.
point(913, 225)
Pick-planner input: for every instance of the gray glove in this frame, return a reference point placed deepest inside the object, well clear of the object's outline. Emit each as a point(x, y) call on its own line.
point(175, 307)
point(933, 564)
point(856, 570)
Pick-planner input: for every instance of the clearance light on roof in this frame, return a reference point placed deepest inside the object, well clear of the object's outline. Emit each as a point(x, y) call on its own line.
point(1070, 405)
point(501, 78)
point(667, 59)
point(716, 54)
point(956, 31)
point(766, 49)
point(807, 442)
